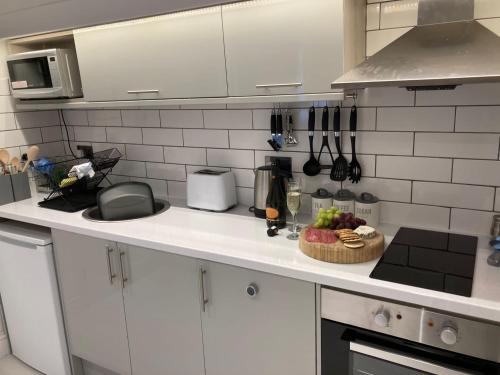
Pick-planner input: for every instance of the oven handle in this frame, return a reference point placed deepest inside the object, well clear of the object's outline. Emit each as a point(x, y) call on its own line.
point(402, 360)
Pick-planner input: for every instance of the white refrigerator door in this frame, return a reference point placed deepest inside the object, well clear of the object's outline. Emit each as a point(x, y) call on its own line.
point(30, 300)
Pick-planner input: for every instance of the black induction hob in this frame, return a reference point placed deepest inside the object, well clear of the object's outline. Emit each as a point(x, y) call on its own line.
point(431, 260)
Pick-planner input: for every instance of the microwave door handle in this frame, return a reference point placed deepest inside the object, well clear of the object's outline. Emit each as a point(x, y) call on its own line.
point(413, 363)
point(69, 74)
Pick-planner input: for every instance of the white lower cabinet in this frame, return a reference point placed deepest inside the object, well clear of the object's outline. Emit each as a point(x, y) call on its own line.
point(269, 333)
point(92, 300)
point(144, 312)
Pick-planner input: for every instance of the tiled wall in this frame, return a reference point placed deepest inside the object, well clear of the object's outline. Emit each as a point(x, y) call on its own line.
point(431, 157)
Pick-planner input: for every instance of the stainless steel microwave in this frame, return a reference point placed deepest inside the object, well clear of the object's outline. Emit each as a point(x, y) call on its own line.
point(44, 74)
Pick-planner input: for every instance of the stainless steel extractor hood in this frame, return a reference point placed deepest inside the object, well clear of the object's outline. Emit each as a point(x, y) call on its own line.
point(446, 48)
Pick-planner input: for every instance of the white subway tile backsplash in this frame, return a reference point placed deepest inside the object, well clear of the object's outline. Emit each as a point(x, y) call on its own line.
point(249, 139)
point(378, 39)
point(459, 145)
point(373, 17)
point(480, 119)
point(383, 97)
point(6, 104)
point(12, 138)
point(125, 135)
point(476, 172)
point(384, 143)
point(176, 190)
point(230, 158)
point(141, 118)
point(414, 168)
point(104, 117)
point(244, 177)
point(244, 196)
point(144, 153)
point(474, 94)
point(130, 168)
point(4, 87)
point(164, 137)
point(472, 222)
point(398, 14)
point(51, 134)
point(90, 134)
point(435, 119)
point(366, 119)
point(453, 195)
point(49, 150)
point(7, 121)
point(228, 119)
point(163, 171)
point(206, 138)
point(183, 155)
point(37, 119)
point(262, 119)
point(182, 119)
point(415, 215)
point(384, 189)
point(75, 117)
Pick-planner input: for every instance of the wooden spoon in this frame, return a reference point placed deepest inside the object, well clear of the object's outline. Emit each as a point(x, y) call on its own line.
point(15, 163)
point(4, 158)
point(32, 154)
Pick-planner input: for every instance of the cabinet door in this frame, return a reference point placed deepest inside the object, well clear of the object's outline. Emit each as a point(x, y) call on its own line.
point(268, 334)
point(92, 300)
point(283, 47)
point(162, 306)
point(180, 55)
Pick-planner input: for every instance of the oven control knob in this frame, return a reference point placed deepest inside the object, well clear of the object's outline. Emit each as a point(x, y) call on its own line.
point(449, 334)
point(382, 318)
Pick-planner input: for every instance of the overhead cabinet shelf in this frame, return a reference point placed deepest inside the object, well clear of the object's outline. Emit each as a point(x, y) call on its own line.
point(254, 51)
point(180, 55)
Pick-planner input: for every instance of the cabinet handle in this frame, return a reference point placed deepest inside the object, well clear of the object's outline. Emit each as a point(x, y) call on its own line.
point(204, 299)
point(270, 85)
point(143, 91)
point(112, 275)
point(122, 269)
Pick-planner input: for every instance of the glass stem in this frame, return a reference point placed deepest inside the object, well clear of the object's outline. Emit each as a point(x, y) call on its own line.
point(294, 227)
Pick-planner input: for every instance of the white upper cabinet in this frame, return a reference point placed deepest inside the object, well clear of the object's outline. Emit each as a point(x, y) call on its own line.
point(180, 55)
point(291, 46)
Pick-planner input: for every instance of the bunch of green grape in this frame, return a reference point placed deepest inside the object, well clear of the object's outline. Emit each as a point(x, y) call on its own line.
point(325, 218)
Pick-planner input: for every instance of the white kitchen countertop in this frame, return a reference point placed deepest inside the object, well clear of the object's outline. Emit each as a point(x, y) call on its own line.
point(242, 241)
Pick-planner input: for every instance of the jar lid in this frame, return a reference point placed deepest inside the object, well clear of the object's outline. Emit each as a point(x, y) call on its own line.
point(344, 195)
point(321, 194)
point(367, 198)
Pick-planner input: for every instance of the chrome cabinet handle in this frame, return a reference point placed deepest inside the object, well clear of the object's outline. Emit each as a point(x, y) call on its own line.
point(204, 299)
point(122, 269)
point(112, 275)
point(143, 91)
point(269, 85)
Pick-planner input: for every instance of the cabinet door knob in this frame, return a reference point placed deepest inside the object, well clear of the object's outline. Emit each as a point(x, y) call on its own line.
point(252, 290)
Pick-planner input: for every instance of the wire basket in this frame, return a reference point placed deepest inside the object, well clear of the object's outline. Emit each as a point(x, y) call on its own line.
point(49, 176)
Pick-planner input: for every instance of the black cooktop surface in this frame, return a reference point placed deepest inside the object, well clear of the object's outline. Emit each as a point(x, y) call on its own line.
point(431, 260)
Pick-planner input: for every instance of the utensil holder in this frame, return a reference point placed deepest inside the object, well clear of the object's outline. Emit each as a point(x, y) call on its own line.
point(14, 188)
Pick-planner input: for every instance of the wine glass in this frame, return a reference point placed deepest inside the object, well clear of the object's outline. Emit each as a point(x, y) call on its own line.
point(293, 198)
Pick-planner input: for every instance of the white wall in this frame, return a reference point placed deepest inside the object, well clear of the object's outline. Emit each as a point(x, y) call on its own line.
point(21, 17)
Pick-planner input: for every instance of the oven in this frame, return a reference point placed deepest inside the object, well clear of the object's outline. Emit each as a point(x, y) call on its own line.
point(365, 336)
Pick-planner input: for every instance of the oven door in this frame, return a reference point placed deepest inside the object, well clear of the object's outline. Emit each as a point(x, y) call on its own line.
point(35, 77)
point(347, 350)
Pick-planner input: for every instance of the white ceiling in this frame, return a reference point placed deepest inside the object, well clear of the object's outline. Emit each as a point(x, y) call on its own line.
point(23, 17)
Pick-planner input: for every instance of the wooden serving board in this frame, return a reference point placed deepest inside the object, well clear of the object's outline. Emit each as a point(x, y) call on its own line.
point(338, 253)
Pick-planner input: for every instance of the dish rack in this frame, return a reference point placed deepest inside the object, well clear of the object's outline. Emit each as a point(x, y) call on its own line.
point(48, 178)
